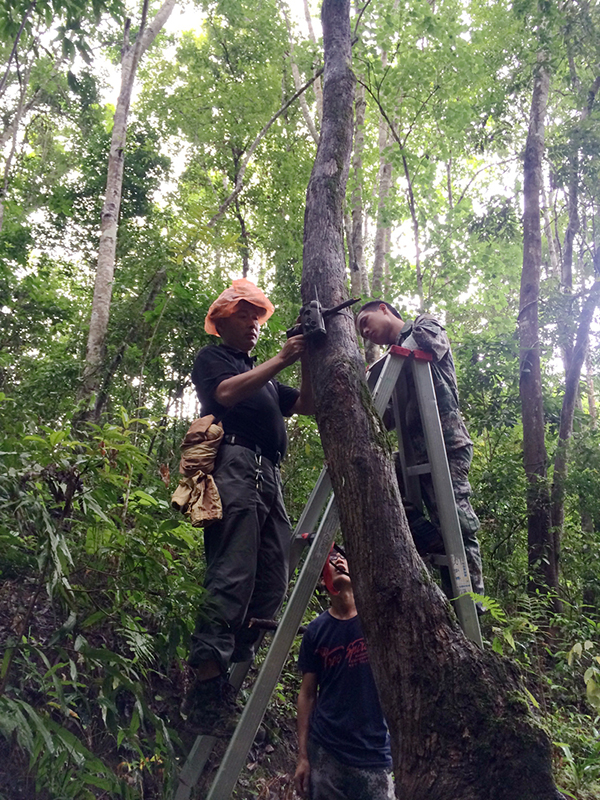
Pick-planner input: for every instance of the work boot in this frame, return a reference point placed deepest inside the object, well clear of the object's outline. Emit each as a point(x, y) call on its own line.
point(425, 535)
point(209, 707)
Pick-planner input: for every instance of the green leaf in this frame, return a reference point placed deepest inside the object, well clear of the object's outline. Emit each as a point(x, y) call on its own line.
point(93, 618)
point(531, 698)
point(6, 660)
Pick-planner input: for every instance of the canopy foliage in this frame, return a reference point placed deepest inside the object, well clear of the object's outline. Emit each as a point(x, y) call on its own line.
point(101, 580)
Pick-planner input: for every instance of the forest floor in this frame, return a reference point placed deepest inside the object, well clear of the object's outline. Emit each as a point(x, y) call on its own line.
point(270, 764)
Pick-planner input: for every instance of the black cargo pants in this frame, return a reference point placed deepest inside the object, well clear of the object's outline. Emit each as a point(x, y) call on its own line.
point(247, 556)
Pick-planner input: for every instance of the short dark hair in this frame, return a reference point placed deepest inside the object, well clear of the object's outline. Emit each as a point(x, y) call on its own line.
point(376, 303)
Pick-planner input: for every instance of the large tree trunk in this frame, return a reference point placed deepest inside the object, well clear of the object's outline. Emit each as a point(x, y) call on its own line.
point(112, 200)
point(542, 556)
point(460, 724)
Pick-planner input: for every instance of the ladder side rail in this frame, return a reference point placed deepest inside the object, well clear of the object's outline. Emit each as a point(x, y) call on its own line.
point(387, 380)
point(446, 503)
point(309, 518)
point(194, 766)
point(412, 486)
point(204, 744)
point(242, 739)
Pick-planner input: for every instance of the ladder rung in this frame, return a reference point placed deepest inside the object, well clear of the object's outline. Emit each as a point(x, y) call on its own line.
point(418, 469)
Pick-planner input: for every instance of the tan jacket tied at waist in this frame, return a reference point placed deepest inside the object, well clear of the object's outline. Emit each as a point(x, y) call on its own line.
point(197, 494)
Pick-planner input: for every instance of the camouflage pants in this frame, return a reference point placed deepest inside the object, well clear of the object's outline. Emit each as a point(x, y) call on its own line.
point(459, 462)
point(331, 780)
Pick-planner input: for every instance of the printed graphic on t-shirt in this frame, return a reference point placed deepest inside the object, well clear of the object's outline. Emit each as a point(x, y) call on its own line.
point(354, 653)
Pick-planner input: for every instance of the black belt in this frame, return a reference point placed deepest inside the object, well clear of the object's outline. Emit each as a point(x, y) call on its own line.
point(272, 455)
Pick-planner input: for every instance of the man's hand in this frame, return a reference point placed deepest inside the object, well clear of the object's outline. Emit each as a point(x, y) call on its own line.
point(302, 776)
point(292, 350)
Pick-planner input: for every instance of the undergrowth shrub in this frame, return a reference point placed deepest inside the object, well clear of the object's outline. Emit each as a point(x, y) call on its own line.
point(106, 581)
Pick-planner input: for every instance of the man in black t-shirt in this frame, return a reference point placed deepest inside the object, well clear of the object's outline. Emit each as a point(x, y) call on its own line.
point(343, 741)
point(247, 551)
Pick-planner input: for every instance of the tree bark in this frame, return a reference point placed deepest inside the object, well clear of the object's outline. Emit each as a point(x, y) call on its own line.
point(244, 241)
point(459, 721)
point(542, 556)
point(112, 200)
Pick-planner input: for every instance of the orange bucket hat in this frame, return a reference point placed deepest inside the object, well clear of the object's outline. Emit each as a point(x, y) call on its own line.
point(227, 301)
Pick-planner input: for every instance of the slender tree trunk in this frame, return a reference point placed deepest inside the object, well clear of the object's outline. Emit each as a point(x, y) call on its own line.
point(415, 223)
point(381, 237)
point(566, 321)
point(112, 200)
point(359, 277)
point(317, 83)
point(460, 723)
point(296, 75)
point(13, 145)
point(15, 47)
point(245, 245)
point(591, 389)
point(550, 240)
point(542, 557)
point(358, 274)
point(574, 342)
point(565, 430)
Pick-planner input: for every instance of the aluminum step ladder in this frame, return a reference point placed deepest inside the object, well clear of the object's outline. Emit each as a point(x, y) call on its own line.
point(386, 379)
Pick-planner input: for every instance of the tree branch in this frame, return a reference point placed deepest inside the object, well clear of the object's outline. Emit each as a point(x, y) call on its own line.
point(15, 45)
point(155, 25)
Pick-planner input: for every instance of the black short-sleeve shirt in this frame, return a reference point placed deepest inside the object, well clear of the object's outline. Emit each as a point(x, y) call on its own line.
point(259, 418)
point(347, 719)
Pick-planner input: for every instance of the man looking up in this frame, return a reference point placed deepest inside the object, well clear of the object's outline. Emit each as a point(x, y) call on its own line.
point(343, 742)
point(247, 551)
point(380, 322)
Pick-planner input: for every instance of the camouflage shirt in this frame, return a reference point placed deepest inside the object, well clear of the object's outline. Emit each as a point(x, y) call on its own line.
point(427, 334)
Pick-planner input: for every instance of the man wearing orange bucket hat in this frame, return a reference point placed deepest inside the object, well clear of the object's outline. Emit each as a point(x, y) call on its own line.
point(246, 551)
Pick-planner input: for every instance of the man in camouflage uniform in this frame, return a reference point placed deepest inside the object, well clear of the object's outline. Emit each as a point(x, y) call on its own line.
point(380, 322)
